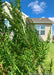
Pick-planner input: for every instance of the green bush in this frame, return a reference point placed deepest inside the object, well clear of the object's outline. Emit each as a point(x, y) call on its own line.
point(52, 41)
point(25, 52)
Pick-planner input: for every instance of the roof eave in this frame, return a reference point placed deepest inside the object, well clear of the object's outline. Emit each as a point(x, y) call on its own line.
point(43, 23)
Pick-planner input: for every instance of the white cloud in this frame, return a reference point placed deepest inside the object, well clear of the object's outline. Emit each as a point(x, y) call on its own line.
point(51, 18)
point(43, 17)
point(37, 7)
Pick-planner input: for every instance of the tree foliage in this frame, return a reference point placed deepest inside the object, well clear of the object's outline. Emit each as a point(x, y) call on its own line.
point(49, 35)
point(23, 53)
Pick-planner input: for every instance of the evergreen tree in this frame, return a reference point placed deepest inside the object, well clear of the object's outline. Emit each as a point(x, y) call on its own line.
point(3, 39)
point(25, 52)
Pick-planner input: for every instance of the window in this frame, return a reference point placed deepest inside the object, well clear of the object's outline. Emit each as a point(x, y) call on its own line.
point(7, 23)
point(40, 29)
point(42, 32)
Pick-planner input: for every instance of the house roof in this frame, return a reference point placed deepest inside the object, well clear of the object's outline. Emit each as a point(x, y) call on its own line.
point(41, 20)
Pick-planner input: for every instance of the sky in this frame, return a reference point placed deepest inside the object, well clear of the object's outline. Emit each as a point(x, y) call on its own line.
point(38, 8)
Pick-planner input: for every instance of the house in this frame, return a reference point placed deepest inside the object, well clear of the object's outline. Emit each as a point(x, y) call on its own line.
point(43, 25)
point(24, 16)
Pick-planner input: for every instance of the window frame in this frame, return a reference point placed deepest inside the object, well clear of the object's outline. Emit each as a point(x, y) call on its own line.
point(40, 29)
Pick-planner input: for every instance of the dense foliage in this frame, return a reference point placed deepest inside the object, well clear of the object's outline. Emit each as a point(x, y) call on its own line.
point(23, 53)
point(49, 35)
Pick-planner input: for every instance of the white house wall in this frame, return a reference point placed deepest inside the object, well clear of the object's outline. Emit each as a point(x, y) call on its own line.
point(24, 16)
point(47, 29)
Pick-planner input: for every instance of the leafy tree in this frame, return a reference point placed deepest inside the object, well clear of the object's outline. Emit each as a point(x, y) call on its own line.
point(2, 35)
point(25, 52)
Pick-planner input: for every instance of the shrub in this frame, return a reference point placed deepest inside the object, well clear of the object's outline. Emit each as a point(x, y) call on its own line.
point(25, 52)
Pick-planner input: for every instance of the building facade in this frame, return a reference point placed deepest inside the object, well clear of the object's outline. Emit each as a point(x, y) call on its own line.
point(43, 25)
point(24, 16)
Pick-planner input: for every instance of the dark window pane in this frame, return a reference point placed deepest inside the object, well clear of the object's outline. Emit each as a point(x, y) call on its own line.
point(38, 31)
point(42, 32)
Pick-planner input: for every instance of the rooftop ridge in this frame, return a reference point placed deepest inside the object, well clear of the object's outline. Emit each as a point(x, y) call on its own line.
point(42, 20)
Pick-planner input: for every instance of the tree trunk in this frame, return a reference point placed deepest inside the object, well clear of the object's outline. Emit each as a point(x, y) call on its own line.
point(3, 69)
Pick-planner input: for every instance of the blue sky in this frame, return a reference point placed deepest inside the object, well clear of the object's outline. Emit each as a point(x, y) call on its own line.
point(46, 8)
point(38, 8)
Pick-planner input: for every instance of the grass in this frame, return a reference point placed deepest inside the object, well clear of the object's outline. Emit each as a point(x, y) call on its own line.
point(49, 56)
